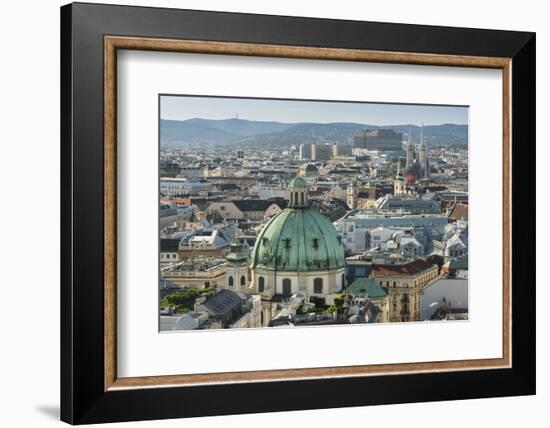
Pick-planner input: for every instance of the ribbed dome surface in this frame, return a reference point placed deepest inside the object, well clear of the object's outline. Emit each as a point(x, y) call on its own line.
point(298, 240)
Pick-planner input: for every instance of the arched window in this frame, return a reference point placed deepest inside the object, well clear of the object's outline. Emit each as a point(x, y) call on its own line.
point(318, 285)
point(287, 291)
point(261, 284)
point(243, 280)
point(231, 281)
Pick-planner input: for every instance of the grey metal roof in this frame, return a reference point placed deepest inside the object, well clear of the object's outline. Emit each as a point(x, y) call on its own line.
point(169, 245)
point(258, 204)
point(222, 303)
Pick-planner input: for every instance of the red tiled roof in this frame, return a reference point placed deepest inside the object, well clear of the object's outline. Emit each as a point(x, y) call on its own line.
point(459, 212)
point(408, 269)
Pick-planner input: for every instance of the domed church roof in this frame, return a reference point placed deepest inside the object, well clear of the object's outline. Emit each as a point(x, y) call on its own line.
point(298, 239)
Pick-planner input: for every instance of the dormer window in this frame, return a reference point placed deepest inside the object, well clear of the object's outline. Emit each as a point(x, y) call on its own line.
point(315, 243)
point(287, 243)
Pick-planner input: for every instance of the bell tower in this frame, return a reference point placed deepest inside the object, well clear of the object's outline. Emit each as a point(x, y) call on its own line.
point(352, 195)
point(399, 182)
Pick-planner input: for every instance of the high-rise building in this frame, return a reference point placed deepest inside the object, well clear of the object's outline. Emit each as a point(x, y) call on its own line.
point(384, 140)
point(341, 150)
point(305, 151)
point(321, 152)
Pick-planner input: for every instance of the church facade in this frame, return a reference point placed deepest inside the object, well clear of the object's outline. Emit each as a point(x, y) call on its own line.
point(417, 166)
point(297, 252)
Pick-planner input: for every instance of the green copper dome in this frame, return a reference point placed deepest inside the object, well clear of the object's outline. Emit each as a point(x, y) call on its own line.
point(297, 183)
point(298, 240)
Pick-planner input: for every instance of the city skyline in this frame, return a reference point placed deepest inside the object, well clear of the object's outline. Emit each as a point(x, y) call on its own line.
point(313, 213)
point(183, 107)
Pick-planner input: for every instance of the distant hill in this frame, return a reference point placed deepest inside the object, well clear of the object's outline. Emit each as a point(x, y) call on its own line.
point(244, 127)
point(194, 130)
point(240, 131)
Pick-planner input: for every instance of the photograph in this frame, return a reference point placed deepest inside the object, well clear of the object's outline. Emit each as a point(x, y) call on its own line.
point(299, 213)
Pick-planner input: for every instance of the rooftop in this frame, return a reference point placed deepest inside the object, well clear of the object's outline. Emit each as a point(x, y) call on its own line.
point(222, 303)
point(169, 245)
point(368, 286)
point(408, 269)
point(258, 204)
point(459, 212)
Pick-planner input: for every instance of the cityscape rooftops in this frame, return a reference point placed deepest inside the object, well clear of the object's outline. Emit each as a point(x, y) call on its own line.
point(215, 235)
point(196, 264)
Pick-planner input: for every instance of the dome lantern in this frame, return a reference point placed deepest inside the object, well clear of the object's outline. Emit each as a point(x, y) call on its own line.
point(298, 189)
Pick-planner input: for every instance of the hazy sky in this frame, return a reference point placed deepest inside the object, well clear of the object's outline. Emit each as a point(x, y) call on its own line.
point(184, 107)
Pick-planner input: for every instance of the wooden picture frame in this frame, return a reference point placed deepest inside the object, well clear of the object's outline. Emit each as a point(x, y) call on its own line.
point(91, 390)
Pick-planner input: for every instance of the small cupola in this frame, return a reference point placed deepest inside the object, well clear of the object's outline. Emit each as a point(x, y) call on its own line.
point(298, 190)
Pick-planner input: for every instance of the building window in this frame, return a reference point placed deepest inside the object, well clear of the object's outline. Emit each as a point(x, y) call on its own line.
point(286, 287)
point(394, 284)
point(261, 284)
point(243, 280)
point(315, 243)
point(343, 280)
point(231, 281)
point(318, 285)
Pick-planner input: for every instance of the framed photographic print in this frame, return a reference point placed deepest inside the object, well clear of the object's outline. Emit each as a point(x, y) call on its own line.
point(292, 213)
